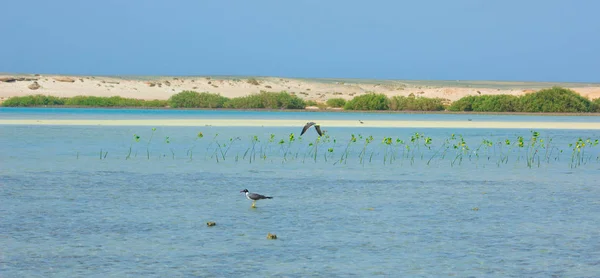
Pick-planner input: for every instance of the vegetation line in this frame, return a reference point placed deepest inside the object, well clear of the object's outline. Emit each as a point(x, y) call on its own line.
point(552, 100)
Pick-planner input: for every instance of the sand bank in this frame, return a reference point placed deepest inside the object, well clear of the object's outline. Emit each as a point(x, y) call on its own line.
point(319, 90)
point(299, 123)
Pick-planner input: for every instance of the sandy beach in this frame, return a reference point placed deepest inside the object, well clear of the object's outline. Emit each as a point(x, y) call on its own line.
point(309, 89)
point(299, 123)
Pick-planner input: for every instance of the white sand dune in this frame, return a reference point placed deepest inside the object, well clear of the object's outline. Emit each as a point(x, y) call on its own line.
point(309, 89)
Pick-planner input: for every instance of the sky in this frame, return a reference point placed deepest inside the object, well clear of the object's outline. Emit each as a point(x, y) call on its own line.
point(526, 40)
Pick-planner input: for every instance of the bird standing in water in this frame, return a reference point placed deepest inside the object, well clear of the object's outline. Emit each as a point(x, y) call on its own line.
point(254, 197)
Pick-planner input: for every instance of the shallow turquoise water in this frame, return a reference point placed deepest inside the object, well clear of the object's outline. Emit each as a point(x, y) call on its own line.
point(68, 213)
point(111, 114)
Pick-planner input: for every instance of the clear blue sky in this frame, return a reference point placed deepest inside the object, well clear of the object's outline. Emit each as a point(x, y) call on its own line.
point(529, 40)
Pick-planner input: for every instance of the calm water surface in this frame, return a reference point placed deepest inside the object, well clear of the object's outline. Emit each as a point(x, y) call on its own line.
point(68, 213)
point(112, 114)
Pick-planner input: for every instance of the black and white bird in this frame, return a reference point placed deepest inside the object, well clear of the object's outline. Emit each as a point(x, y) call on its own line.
point(308, 125)
point(254, 197)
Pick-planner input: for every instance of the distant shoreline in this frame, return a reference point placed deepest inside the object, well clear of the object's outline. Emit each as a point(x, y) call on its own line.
point(315, 89)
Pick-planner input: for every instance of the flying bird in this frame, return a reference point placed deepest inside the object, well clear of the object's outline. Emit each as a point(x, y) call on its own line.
point(254, 197)
point(308, 125)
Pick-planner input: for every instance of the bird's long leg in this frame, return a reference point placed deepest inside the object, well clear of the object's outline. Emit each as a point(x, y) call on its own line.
point(253, 204)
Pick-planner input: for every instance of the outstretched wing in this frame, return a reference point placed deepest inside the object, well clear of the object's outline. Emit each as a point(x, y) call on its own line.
point(306, 127)
point(318, 128)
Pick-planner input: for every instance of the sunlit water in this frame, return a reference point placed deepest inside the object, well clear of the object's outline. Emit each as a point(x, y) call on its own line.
point(68, 213)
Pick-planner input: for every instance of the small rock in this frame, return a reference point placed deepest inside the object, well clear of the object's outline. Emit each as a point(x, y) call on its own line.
point(268, 87)
point(64, 79)
point(34, 86)
point(8, 79)
point(210, 223)
point(271, 236)
point(167, 83)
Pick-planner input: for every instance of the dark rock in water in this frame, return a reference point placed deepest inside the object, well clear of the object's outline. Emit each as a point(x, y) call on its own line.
point(210, 224)
point(34, 86)
point(271, 236)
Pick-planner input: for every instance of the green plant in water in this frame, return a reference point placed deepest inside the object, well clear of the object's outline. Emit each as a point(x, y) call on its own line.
point(252, 156)
point(168, 141)
point(368, 141)
point(387, 141)
point(136, 138)
point(578, 154)
point(286, 148)
point(148, 144)
point(461, 148)
point(316, 147)
point(190, 151)
point(344, 157)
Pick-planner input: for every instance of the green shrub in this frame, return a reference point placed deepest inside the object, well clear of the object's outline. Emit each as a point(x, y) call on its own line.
point(370, 101)
point(33, 100)
point(311, 103)
point(191, 99)
point(463, 104)
point(487, 103)
point(245, 102)
point(114, 101)
point(253, 81)
point(497, 103)
point(595, 105)
point(155, 103)
point(269, 100)
point(336, 102)
point(555, 99)
point(402, 103)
